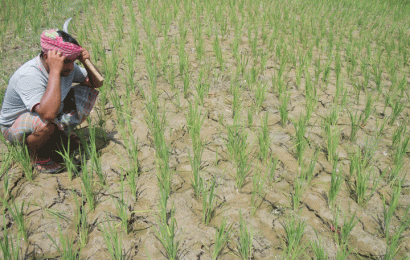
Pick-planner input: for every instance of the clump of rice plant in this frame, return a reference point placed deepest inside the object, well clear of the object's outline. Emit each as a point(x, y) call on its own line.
point(335, 183)
point(166, 234)
point(66, 248)
point(208, 202)
point(113, 241)
point(294, 230)
point(257, 191)
point(245, 239)
point(221, 239)
point(8, 246)
point(17, 212)
point(264, 139)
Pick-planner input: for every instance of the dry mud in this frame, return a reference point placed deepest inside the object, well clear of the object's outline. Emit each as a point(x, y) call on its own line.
point(51, 194)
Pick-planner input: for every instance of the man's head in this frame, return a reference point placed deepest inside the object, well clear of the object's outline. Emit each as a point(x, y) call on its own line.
point(63, 43)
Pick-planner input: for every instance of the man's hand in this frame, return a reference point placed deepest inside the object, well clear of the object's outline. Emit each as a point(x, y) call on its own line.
point(84, 55)
point(55, 62)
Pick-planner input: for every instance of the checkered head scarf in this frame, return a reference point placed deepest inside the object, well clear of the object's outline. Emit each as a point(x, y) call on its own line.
point(51, 40)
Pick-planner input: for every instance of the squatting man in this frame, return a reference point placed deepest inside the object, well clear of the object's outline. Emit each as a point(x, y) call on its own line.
point(41, 105)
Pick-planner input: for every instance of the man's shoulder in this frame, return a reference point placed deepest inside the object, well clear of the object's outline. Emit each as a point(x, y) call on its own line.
point(29, 70)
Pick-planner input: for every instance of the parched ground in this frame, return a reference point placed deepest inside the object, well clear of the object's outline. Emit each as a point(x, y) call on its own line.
point(50, 200)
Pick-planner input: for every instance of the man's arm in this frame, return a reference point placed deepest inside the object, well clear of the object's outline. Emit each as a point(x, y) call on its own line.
point(51, 100)
point(91, 79)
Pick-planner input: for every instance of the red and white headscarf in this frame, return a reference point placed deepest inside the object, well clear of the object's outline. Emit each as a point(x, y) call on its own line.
point(50, 40)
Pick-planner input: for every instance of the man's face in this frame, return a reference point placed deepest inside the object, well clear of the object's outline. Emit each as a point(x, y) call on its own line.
point(68, 67)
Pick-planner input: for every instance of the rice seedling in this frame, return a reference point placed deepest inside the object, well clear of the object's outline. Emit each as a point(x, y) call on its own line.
point(397, 135)
point(389, 212)
point(308, 172)
point(166, 234)
point(208, 201)
point(361, 184)
point(354, 123)
point(113, 240)
point(257, 192)
point(221, 239)
point(8, 245)
point(318, 250)
point(68, 158)
point(271, 169)
point(81, 221)
point(21, 155)
point(4, 173)
point(264, 139)
point(397, 107)
point(17, 212)
point(401, 150)
point(95, 158)
point(300, 128)
point(66, 247)
point(368, 108)
point(348, 225)
point(294, 230)
point(88, 184)
point(245, 239)
point(297, 192)
point(283, 108)
point(394, 241)
point(260, 94)
point(335, 183)
point(121, 207)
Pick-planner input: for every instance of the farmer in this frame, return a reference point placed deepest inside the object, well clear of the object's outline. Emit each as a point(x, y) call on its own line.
point(41, 105)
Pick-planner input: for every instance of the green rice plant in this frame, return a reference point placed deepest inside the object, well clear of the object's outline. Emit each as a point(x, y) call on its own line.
point(221, 239)
point(236, 101)
point(363, 177)
point(68, 160)
point(333, 138)
point(355, 124)
point(300, 128)
point(394, 241)
point(166, 234)
point(21, 155)
point(66, 248)
point(297, 192)
point(257, 192)
point(348, 225)
point(401, 150)
point(335, 183)
point(88, 184)
point(283, 108)
point(17, 212)
point(264, 139)
point(368, 110)
point(9, 248)
point(389, 212)
point(318, 250)
point(4, 172)
point(208, 201)
point(397, 108)
point(294, 230)
point(95, 158)
point(121, 207)
point(238, 150)
point(218, 51)
point(260, 94)
point(81, 224)
point(397, 135)
point(308, 172)
point(271, 169)
point(245, 239)
point(251, 112)
point(113, 240)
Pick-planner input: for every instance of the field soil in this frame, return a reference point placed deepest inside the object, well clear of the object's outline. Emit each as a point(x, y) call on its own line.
point(50, 199)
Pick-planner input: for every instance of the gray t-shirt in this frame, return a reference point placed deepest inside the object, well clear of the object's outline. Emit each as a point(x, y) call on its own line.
point(27, 86)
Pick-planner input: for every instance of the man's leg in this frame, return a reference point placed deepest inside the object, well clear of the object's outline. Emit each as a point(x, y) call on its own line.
point(38, 135)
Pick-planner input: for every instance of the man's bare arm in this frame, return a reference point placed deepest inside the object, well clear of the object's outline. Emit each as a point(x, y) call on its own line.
point(51, 100)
